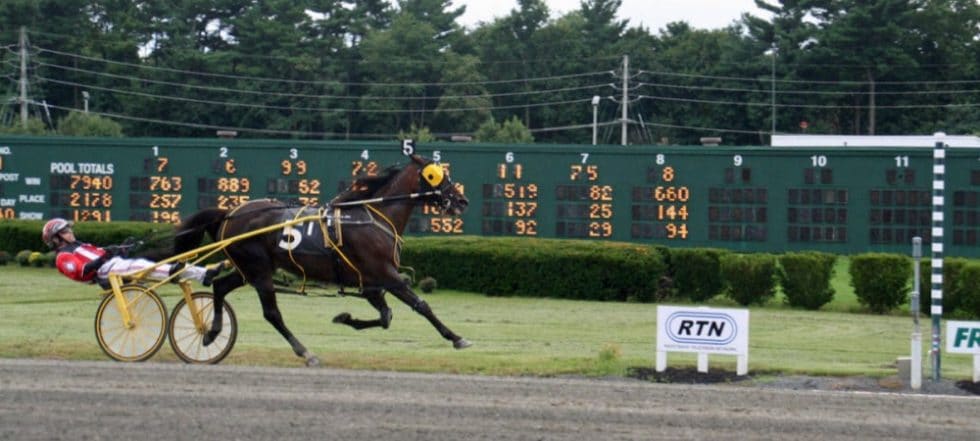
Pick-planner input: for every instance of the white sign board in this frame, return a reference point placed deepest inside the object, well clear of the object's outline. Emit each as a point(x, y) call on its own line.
point(964, 338)
point(703, 331)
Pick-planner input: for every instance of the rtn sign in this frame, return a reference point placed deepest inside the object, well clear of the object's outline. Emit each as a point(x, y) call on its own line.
point(701, 327)
point(963, 337)
point(716, 330)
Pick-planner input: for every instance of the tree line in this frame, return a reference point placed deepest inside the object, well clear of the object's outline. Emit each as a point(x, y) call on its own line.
point(363, 69)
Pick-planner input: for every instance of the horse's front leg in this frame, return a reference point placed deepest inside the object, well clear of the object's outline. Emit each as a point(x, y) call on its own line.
point(270, 310)
point(375, 297)
point(222, 286)
point(405, 294)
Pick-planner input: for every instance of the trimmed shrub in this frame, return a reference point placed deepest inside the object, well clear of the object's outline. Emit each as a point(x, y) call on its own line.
point(36, 258)
point(50, 258)
point(881, 281)
point(968, 288)
point(805, 278)
point(696, 272)
point(749, 278)
point(23, 257)
point(428, 284)
point(539, 267)
point(952, 297)
point(4, 257)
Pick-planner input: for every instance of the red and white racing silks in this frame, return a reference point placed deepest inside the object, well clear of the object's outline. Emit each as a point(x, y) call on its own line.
point(72, 258)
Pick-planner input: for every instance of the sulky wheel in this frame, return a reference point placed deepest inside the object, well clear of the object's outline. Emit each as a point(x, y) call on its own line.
point(139, 339)
point(186, 336)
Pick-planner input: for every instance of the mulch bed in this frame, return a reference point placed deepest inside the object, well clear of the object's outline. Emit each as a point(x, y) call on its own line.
point(688, 375)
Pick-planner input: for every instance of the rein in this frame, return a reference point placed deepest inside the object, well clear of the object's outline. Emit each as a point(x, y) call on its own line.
point(387, 199)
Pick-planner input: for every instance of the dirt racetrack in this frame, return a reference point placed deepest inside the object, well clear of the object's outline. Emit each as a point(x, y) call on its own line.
point(44, 399)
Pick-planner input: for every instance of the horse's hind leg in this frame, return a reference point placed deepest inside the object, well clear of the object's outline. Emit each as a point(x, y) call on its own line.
point(267, 296)
point(405, 294)
point(222, 286)
point(376, 298)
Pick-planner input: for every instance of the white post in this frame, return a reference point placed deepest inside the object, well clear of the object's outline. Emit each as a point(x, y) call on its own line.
point(702, 362)
point(742, 365)
point(915, 372)
point(661, 361)
point(976, 368)
point(915, 368)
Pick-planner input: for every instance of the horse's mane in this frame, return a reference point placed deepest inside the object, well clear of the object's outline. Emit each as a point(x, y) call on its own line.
point(365, 186)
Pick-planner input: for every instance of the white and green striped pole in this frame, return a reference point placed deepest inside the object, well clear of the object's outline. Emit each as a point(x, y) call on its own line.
point(936, 280)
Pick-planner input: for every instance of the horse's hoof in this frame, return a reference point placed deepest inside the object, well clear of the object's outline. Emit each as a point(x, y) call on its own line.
point(462, 343)
point(342, 318)
point(209, 337)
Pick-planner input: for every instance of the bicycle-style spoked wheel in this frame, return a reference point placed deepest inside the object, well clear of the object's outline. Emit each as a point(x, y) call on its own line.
point(139, 339)
point(187, 339)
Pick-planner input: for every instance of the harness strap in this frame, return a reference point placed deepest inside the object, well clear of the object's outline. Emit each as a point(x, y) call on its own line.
point(336, 246)
point(302, 287)
point(392, 231)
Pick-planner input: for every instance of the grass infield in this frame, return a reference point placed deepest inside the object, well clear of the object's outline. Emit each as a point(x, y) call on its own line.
point(45, 315)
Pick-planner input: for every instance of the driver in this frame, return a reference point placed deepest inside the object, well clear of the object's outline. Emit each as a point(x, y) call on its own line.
point(84, 262)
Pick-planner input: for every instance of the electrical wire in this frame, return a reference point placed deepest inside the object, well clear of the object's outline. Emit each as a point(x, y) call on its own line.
point(280, 80)
point(806, 92)
point(312, 109)
point(808, 106)
point(315, 96)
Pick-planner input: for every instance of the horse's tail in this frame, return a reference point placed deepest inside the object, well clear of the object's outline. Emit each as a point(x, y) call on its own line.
point(191, 231)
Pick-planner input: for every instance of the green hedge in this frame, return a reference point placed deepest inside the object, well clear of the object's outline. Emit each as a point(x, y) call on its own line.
point(540, 267)
point(696, 272)
point(610, 271)
point(749, 278)
point(805, 278)
point(881, 281)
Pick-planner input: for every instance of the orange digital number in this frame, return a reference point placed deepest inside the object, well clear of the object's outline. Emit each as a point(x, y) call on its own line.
point(515, 170)
point(446, 225)
point(675, 231)
point(590, 172)
point(601, 192)
point(288, 167)
point(309, 186)
point(600, 229)
point(527, 227)
point(369, 168)
point(162, 162)
point(600, 211)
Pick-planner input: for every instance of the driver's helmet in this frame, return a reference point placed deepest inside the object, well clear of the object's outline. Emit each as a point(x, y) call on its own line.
point(52, 228)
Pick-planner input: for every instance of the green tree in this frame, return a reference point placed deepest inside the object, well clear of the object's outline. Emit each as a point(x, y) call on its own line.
point(511, 131)
point(35, 126)
point(465, 102)
point(88, 124)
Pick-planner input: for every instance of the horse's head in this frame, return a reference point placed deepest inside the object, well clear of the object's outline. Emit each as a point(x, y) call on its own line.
point(445, 195)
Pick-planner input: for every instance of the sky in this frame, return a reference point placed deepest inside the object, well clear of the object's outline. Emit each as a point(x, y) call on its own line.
point(653, 14)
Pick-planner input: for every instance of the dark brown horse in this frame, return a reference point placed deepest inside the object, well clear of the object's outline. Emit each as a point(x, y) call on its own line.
point(354, 242)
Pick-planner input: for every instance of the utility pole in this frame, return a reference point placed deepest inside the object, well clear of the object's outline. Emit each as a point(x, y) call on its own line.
point(626, 73)
point(23, 76)
point(772, 93)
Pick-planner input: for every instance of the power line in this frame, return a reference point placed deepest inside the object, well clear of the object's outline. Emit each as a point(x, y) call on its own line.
point(766, 79)
point(807, 106)
point(335, 83)
point(313, 109)
point(807, 92)
point(315, 96)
